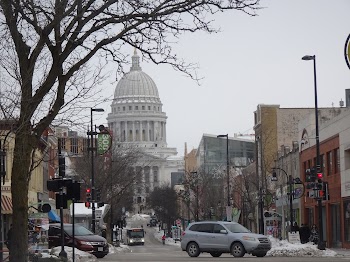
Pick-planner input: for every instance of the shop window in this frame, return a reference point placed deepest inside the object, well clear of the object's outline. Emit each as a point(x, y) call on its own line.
point(347, 159)
point(347, 221)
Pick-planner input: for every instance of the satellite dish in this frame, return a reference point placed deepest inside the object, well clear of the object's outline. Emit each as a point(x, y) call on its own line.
point(46, 208)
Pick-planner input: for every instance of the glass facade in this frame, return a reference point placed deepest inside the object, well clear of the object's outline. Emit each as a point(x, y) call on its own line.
point(211, 153)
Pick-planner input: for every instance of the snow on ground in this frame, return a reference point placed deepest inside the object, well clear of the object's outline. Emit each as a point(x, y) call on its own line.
point(280, 248)
point(140, 217)
point(80, 256)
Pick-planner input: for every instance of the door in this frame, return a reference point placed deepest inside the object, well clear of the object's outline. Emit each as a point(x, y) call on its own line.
point(219, 240)
point(205, 235)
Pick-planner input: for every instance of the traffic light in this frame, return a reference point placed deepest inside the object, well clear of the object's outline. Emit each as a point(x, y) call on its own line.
point(319, 184)
point(325, 190)
point(87, 204)
point(310, 175)
point(98, 195)
point(88, 194)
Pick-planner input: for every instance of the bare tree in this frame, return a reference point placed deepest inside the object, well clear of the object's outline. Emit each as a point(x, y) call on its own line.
point(163, 200)
point(47, 50)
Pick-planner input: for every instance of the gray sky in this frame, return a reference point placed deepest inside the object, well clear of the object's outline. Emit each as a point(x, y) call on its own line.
point(254, 60)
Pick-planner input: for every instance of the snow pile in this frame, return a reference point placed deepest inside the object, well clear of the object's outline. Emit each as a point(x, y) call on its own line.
point(121, 249)
point(282, 248)
point(139, 217)
point(80, 256)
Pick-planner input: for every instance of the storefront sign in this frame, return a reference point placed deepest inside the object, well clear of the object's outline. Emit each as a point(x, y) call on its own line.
point(347, 51)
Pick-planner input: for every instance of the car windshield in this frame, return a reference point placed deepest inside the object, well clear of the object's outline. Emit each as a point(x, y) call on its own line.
point(236, 228)
point(78, 230)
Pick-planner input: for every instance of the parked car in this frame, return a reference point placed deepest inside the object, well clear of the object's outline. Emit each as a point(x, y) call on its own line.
point(85, 240)
point(217, 237)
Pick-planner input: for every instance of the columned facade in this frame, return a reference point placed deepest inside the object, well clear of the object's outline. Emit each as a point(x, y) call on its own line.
point(137, 119)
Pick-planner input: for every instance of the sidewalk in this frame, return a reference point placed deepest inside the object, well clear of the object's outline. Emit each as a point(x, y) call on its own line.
point(341, 251)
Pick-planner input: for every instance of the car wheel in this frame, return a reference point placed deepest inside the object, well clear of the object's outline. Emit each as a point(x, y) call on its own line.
point(259, 254)
point(237, 250)
point(192, 249)
point(215, 254)
point(100, 255)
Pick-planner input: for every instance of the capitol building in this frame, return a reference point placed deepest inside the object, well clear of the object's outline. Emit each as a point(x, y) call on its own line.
point(137, 120)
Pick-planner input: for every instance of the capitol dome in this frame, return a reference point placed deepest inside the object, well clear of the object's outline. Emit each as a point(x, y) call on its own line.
point(136, 85)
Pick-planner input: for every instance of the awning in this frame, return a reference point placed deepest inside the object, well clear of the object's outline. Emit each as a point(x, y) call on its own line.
point(6, 205)
point(53, 216)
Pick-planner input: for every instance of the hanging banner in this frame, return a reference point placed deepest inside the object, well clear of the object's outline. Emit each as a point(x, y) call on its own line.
point(347, 51)
point(104, 142)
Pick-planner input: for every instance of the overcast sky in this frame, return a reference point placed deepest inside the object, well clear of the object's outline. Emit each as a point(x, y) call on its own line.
point(254, 60)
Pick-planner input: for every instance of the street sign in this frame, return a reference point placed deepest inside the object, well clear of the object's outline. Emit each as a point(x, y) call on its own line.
point(98, 214)
point(104, 142)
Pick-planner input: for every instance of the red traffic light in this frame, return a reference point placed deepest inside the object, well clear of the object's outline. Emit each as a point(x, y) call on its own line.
point(88, 190)
point(87, 204)
point(319, 175)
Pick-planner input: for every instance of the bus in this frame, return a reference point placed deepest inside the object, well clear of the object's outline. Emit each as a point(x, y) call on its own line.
point(135, 236)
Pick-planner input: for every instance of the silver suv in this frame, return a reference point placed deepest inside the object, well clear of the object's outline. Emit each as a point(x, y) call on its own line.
point(217, 237)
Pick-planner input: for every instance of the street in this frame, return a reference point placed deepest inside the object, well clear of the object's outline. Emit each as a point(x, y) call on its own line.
point(155, 251)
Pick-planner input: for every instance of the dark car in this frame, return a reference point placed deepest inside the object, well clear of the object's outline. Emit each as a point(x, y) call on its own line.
point(85, 240)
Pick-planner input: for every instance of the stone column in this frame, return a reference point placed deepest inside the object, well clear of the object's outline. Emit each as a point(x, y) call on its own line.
point(126, 131)
point(141, 131)
point(133, 131)
point(165, 132)
point(151, 181)
point(148, 138)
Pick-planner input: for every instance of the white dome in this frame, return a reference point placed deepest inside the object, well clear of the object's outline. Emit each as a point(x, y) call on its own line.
point(136, 85)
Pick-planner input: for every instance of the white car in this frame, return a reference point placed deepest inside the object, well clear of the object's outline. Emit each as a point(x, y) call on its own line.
point(217, 237)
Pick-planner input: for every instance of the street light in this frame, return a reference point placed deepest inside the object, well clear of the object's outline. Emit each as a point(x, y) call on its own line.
point(2, 176)
point(290, 182)
point(227, 174)
point(93, 149)
point(321, 245)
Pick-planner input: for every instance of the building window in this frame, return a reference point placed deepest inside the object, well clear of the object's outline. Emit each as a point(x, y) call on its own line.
point(155, 175)
point(149, 107)
point(329, 163)
point(143, 107)
point(63, 143)
point(336, 160)
point(74, 145)
point(136, 107)
point(322, 163)
point(118, 108)
point(130, 108)
point(123, 108)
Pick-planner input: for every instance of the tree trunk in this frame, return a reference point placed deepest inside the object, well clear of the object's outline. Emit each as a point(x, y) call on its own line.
point(19, 190)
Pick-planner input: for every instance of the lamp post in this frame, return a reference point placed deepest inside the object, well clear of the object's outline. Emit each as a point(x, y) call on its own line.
point(93, 149)
point(227, 174)
point(2, 176)
point(321, 244)
point(290, 183)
